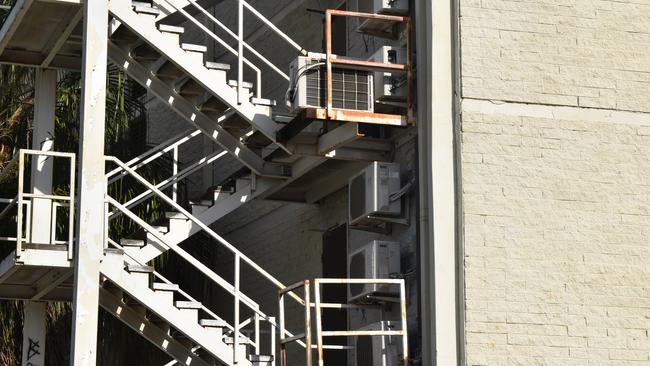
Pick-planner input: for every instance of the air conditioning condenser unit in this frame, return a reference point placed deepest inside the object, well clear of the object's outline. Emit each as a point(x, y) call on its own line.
point(377, 260)
point(369, 193)
point(377, 351)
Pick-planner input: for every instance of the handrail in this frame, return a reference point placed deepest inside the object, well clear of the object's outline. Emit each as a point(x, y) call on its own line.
point(239, 256)
point(241, 43)
point(200, 224)
point(171, 180)
point(146, 157)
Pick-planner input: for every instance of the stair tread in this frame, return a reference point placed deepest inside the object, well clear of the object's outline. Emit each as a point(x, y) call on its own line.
point(132, 243)
point(193, 47)
point(171, 28)
point(116, 251)
point(142, 9)
point(217, 66)
point(246, 84)
point(213, 323)
point(175, 215)
point(263, 101)
point(188, 305)
point(139, 269)
point(260, 358)
point(162, 286)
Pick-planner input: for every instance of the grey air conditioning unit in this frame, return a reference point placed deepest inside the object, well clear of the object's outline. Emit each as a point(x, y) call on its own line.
point(391, 88)
point(369, 194)
point(384, 6)
point(377, 260)
point(351, 89)
point(377, 351)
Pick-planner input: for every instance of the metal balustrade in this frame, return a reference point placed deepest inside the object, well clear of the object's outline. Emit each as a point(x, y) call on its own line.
point(241, 43)
point(233, 289)
point(25, 200)
point(318, 306)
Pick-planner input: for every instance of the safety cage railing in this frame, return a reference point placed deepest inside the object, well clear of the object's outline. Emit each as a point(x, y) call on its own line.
point(26, 204)
point(305, 339)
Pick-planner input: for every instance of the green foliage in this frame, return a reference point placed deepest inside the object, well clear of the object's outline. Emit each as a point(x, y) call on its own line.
point(125, 138)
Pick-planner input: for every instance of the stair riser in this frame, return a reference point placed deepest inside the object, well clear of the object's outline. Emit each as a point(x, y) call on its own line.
point(217, 333)
point(165, 297)
point(196, 57)
point(179, 225)
point(190, 315)
point(171, 37)
point(139, 279)
point(148, 19)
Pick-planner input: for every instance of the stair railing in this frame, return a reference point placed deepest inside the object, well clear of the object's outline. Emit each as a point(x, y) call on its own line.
point(233, 289)
point(25, 199)
point(241, 43)
point(172, 146)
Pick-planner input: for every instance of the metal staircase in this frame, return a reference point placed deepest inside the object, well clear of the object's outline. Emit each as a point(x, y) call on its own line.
point(145, 40)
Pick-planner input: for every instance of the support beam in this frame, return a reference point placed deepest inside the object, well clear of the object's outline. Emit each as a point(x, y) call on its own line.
point(34, 330)
point(61, 34)
point(12, 22)
point(42, 166)
point(437, 210)
point(89, 225)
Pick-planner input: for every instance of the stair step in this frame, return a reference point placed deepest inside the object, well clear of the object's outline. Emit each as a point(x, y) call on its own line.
point(115, 251)
point(162, 229)
point(246, 84)
point(141, 3)
point(217, 66)
point(188, 305)
point(175, 215)
point(261, 358)
point(171, 29)
point(134, 268)
point(142, 9)
point(262, 101)
point(193, 47)
point(162, 286)
point(132, 243)
point(213, 323)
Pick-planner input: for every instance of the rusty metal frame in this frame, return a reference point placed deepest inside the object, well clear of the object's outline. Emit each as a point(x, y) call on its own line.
point(331, 59)
point(320, 333)
point(298, 337)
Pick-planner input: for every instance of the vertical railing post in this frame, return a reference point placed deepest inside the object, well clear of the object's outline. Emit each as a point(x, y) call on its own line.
point(236, 322)
point(19, 204)
point(53, 209)
point(274, 328)
point(319, 329)
point(328, 61)
point(71, 207)
point(240, 52)
point(405, 343)
point(174, 172)
point(308, 324)
point(283, 348)
point(257, 333)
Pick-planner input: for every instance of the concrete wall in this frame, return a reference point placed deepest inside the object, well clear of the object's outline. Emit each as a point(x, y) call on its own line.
point(555, 199)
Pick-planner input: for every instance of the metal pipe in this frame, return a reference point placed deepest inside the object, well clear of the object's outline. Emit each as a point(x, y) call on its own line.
point(174, 173)
point(308, 325)
point(328, 60)
point(19, 216)
point(236, 322)
point(319, 325)
point(240, 51)
point(405, 343)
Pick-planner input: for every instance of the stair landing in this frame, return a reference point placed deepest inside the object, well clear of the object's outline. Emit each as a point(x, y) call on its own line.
point(43, 34)
point(42, 272)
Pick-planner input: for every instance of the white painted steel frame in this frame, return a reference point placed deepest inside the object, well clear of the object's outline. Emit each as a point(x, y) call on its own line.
point(90, 226)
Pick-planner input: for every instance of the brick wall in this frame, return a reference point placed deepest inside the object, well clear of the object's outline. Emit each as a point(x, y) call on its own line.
point(587, 53)
point(557, 217)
